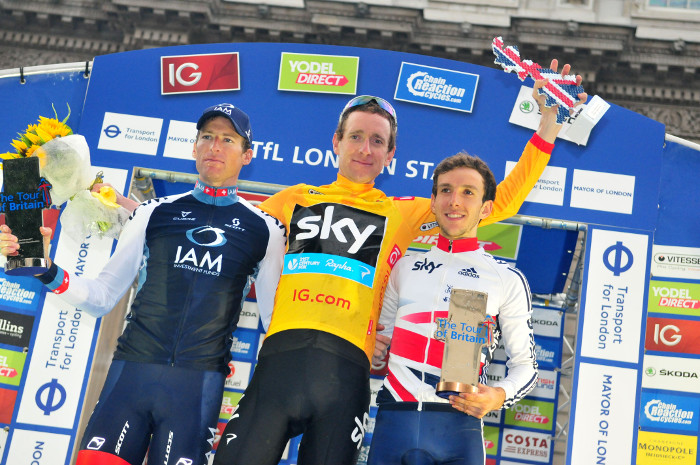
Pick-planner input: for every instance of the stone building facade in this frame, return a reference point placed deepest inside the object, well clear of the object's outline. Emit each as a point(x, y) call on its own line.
point(640, 54)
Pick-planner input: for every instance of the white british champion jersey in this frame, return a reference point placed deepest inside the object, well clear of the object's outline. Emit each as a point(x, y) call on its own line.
point(419, 292)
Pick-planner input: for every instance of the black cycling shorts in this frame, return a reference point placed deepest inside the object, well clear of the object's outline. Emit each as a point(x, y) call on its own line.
point(309, 391)
point(171, 412)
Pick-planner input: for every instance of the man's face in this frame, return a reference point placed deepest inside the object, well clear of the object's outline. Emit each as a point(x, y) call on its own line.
point(364, 149)
point(458, 205)
point(219, 153)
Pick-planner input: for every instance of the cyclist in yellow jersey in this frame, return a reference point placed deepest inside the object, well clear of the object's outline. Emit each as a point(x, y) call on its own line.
point(312, 375)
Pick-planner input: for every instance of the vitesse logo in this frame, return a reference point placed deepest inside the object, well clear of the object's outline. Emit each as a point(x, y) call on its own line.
point(336, 229)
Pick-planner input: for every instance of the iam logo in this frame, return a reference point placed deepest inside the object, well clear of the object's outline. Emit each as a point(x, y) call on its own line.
point(206, 236)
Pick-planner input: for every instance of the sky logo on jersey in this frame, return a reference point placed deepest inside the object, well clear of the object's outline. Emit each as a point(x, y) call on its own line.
point(338, 230)
point(436, 87)
point(325, 264)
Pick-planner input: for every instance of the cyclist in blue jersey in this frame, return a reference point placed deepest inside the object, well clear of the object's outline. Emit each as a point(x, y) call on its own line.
point(195, 255)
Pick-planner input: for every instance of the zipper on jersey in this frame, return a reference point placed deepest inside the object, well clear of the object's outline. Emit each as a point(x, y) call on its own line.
point(443, 282)
point(188, 300)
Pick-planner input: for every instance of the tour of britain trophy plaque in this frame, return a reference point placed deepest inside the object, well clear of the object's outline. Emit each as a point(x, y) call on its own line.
point(25, 195)
point(466, 331)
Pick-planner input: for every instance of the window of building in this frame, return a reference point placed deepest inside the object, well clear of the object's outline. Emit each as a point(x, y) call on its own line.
point(688, 4)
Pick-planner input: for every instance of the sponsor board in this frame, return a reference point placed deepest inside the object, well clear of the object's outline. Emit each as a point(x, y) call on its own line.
point(249, 316)
point(663, 410)
point(548, 352)
point(597, 190)
point(547, 322)
point(671, 373)
point(53, 386)
point(7, 404)
point(208, 72)
point(526, 445)
point(605, 415)
point(530, 413)
point(549, 188)
point(11, 366)
point(494, 416)
point(228, 404)
point(547, 385)
point(3, 440)
point(500, 240)
point(614, 295)
point(35, 447)
point(666, 449)
point(491, 442)
point(180, 139)
point(244, 344)
point(526, 113)
point(667, 335)
point(239, 375)
point(15, 329)
point(495, 372)
point(19, 292)
point(675, 262)
point(330, 74)
point(673, 297)
point(375, 384)
point(436, 87)
point(130, 133)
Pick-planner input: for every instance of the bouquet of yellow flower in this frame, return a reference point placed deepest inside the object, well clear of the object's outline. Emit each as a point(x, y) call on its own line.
point(64, 160)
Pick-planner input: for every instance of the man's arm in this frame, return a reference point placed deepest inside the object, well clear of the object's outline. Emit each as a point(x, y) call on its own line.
point(270, 269)
point(513, 190)
point(96, 296)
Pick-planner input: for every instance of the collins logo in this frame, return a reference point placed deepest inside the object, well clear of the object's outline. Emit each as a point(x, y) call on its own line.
point(199, 73)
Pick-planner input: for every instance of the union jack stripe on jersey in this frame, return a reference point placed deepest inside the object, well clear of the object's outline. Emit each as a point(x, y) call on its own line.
point(560, 90)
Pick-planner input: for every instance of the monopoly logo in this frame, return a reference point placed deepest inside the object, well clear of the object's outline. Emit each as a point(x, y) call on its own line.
point(664, 448)
point(212, 72)
point(318, 73)
point(437, 87)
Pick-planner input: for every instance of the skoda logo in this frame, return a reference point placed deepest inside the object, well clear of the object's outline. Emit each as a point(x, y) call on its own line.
point(651, 371)
point(526, 106)
point(207, 236)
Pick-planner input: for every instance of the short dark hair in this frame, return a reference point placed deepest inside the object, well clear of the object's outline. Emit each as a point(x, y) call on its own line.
point(464, 160)
point(369, 107)
point(245, 144)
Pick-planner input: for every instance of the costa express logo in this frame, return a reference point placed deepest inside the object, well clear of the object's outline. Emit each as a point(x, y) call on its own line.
point(523, 444)
point(670, 335)
point(199, 73)
point(334, 229)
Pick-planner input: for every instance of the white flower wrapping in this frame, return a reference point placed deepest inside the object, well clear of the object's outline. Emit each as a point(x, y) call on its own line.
point(85, 215)
point(65, 163)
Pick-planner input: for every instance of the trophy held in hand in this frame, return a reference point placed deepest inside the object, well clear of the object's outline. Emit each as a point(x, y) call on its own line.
point(465, 332)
